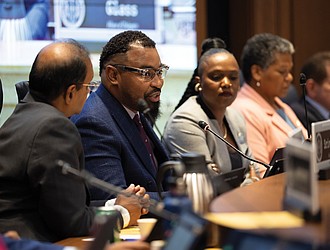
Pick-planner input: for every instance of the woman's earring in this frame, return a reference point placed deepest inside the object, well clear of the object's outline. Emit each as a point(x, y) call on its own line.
point(198, 87)
point(258, 84)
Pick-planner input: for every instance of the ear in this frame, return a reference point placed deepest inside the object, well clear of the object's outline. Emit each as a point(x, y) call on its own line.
point(256, 72)
point(197, 79)
point(312, 88)
point(112, 74)
point(70, 93)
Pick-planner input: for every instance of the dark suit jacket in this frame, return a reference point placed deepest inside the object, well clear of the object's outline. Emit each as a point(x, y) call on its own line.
point(313, 114)
point(114, 151)
point(35, 198)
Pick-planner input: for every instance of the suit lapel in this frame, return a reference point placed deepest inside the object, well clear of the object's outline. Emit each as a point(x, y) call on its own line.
point(313, 114)
point(127, 127)
point(159, 151)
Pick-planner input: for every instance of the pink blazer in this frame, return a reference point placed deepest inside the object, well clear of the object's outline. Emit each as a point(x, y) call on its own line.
point(266, 129)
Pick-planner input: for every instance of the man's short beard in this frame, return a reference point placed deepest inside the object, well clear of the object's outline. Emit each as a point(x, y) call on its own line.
point(154, 110)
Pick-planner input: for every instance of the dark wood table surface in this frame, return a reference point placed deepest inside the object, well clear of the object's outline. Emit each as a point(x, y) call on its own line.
point(267, 195)
point(79, 242)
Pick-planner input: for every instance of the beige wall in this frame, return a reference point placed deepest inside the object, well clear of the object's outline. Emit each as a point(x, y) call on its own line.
point(175, 84)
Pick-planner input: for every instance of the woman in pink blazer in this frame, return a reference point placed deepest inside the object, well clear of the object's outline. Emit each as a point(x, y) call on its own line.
point(266, 64)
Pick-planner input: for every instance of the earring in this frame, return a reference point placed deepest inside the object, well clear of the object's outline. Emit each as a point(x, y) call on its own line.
point(198, 87)
point(258, 84)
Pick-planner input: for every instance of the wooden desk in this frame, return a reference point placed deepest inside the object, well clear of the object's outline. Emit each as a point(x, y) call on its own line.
point(132, 232)
point(78, 242)
point(267, 195)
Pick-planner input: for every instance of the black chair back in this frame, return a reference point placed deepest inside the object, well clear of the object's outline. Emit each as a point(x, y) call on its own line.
point(22, 88)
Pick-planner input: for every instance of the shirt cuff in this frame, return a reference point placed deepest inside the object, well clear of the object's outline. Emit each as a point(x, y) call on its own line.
point(123, 211)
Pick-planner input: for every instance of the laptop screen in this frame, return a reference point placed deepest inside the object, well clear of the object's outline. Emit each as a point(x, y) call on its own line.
point(321, 144)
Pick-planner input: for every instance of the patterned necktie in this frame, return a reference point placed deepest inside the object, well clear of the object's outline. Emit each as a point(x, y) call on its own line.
point(145, 139)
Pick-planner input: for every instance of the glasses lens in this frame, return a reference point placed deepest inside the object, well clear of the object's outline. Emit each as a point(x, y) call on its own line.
point(149, 74)
point(162, 72)
point(93, 86)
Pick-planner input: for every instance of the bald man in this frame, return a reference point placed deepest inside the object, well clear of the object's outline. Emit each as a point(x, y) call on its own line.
point(36, 200)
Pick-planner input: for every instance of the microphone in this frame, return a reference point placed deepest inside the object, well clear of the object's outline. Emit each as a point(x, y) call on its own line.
point(155, 206)
point(303, 86)
point(206, 127)
point(187, 225)
point(144, 108)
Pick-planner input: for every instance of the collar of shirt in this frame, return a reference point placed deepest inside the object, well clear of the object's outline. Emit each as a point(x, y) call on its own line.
point(131, 113)
point(324, 112)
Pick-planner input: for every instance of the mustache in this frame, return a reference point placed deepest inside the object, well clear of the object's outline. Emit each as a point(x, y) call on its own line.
point(155, 90)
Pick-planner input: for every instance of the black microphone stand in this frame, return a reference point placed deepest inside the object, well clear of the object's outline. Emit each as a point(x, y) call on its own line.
point(144, 108)
point(189, 231)
point(206, 127)
point(303, 86)
point(155, 206)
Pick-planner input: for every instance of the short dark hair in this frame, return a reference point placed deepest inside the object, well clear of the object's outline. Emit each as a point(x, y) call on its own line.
point(121, 43)
point(260, 50)
point(47, 81)
point(315, 66)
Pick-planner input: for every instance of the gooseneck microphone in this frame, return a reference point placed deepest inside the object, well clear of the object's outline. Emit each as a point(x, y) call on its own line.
point(144, 108)
point(303, 86)
point(155, 207)
point(206, 127)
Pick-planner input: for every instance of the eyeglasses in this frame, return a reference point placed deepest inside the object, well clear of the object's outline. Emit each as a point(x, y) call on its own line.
point(92, 85)
point(148, 73)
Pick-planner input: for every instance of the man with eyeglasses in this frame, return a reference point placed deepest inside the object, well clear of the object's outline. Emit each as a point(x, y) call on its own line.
point(36, 199)
point(117, 148)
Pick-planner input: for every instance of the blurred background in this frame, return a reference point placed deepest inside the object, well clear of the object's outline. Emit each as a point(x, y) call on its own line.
point(177, 26)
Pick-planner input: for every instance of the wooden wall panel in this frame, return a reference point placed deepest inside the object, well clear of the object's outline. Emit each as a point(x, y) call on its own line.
point(201, 23)
point(306, 23)
point(311, 29)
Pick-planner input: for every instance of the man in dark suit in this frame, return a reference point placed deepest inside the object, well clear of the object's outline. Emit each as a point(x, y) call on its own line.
point(36, 199)
point(317, 71)
point(130, 70)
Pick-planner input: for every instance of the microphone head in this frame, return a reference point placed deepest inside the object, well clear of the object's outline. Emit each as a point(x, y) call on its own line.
point(203, 125)
point(302, 79)
point(143, 106)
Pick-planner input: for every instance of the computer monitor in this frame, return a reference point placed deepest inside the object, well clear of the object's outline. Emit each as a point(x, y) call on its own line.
point(79, 20)
point(276, 163)
point(228, 181)
point(321, 144)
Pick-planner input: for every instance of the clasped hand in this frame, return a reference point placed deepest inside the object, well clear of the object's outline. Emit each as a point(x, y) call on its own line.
point(136, 201)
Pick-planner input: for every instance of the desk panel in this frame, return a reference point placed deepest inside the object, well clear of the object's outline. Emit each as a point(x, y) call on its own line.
point(267, 195)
